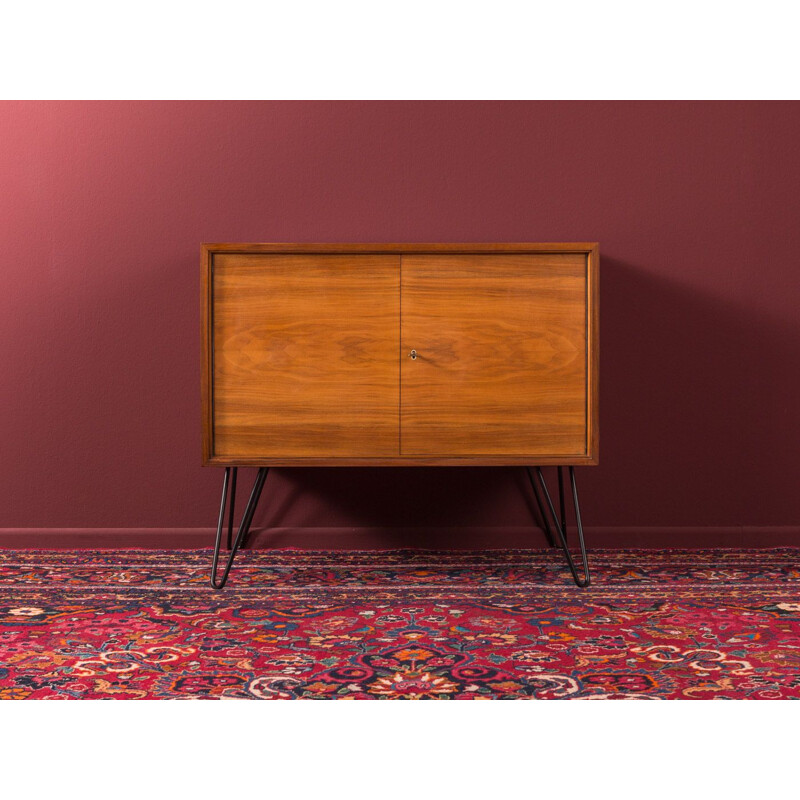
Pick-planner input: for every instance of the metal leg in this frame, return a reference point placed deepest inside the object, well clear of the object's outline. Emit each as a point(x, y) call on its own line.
point(562, 509)
point(244, 525)
point(560, 526)
point(545, 522)
point(233, 502)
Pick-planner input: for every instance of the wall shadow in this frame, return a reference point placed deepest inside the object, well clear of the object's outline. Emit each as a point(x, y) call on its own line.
point(696, 419)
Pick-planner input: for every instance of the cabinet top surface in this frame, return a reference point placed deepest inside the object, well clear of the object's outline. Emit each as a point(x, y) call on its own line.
point(394, 247)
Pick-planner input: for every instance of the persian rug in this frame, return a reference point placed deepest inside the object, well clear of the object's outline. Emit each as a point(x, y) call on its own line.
point(722, 624)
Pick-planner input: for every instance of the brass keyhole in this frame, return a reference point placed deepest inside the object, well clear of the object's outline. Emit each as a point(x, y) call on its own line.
point(413, 355)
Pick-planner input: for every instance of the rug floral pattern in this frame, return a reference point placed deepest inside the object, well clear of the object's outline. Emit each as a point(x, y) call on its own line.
point(721, 624)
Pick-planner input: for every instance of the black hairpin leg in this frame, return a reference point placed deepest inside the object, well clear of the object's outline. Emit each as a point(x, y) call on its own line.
point(560, 525)
point(561, 507)
point(244, 525)
point(233, 470)
point(542, 515)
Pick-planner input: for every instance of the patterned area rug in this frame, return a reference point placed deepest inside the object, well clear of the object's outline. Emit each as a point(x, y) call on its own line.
point(400, 624)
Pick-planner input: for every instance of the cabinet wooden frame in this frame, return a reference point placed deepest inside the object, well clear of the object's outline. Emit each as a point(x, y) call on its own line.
point(589, 250)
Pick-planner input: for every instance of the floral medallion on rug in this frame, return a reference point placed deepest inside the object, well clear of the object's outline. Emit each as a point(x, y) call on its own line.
point(700, 624)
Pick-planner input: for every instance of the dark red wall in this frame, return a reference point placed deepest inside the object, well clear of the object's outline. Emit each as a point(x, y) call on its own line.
point(103, 207)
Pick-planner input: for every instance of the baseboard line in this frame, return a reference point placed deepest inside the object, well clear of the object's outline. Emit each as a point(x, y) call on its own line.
point(385, 538)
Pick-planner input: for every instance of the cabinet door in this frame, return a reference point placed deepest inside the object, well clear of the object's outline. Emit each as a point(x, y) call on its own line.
point(304, 357)
point(501, 355)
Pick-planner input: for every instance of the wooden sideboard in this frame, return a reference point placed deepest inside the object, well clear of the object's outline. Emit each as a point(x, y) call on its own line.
point(400, 354)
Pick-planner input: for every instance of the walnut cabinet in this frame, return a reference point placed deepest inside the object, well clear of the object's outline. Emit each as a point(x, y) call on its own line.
point(400, 354)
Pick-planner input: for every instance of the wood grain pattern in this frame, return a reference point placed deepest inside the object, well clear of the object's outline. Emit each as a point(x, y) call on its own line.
point(305, 356)
point(206, 353)
point(551, 459)
point(502, 355)
point(401, 248)
point(593, 344)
